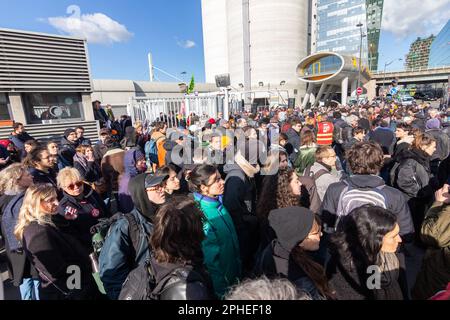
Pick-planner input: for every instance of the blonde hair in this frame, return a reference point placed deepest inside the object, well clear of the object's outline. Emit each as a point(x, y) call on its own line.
point(323, 152)
point(83, 148)
point(30, 210)
point(67, 175)
point(9, 178)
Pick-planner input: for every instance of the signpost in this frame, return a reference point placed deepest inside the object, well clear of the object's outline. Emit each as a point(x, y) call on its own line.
point(393, 91)
point(359, 91)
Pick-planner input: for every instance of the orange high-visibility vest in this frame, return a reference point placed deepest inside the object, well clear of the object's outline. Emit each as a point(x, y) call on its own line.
point(325, 133)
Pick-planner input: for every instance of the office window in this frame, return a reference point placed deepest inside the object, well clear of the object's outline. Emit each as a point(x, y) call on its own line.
point(52, 107)
point(4, 107)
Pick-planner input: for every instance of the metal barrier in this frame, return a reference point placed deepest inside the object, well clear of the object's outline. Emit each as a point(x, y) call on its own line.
point(171, 110)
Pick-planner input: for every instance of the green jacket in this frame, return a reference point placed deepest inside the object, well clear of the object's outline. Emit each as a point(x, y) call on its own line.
point(221, 246)
point(435, 272)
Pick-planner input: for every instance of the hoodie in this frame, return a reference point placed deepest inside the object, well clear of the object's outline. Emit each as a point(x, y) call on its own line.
point(118, 256)
point(130, 159)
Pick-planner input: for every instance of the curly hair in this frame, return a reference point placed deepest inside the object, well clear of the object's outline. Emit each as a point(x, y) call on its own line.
point(277, 193)
point(365, 158)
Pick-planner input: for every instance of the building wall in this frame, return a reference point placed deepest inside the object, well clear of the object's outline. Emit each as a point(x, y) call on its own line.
point(440, 48)
point(419, 53)
point(278, 39)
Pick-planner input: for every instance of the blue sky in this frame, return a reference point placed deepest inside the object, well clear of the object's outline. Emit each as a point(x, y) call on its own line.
point(123, 32)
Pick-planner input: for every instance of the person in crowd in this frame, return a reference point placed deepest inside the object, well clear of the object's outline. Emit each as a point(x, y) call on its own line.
point(412, 176)
point(442, 151)
point(293, 135)
point(30, 145)
point(325, 131)
point(221, 245)
point(51, 251)
point(281, 190)
point(69, 143)
point(40, 165)
point(112, 167)
point(404, 139)
point(297, 234)
point(127, 246)
point(134, 163)
point(14, 181)
point(129, 141)
point(80, 207)
point(364, 186)
point(341, 134)
point(158, 135)
point(383, 135)
point(263, 288)
point(172, 184)
point(4, 157)
point(240, 199)
point(100, 113)
point(10, 154)
point(104, 144)
point(434, 275)
point(368, 240)
point(53, 149)
point(82, 140)
point(323, 171)
point(84, 162)
point(306, 154)
point(358, 135)
point(19, 136)
point(177, 255)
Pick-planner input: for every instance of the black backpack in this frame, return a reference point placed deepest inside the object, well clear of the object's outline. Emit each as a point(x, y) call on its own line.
point(141, 282)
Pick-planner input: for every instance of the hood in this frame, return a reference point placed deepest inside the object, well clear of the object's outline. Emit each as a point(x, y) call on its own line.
point(416, 155)
point(129, 162)
point(365, 181)
point(406, 139)
point(64, 142)
point(291, 225)
point(139, 196)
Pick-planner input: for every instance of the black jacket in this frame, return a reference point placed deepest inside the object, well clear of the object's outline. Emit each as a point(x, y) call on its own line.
point(395, 201)
point(91, 172)
point(442, 144)
point(43, 177)
point(181, 282)
point(294, 142)
point(385, 137)
point(79, 214)
point(67, 151)
point(52, 252)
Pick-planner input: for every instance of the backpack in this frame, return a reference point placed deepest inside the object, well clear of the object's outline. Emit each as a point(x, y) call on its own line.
point(141, 282)
point(315, 176)
point(151, 151)
point(338, 136)
point(352, 198)
point(99, 233)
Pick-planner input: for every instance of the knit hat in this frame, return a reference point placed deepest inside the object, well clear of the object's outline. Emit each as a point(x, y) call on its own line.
point(68, 131)
point(433, 124)
point(291, 225)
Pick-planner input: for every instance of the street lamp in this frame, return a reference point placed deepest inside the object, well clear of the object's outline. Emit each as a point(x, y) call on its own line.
point(360, 25)
point(384, 73)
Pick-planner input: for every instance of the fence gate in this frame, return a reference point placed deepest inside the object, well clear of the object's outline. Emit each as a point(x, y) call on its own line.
point(171, 110)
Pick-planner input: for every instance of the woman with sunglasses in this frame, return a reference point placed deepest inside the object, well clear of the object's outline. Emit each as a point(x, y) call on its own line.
point(52, 252)
point(80, 208)
point(221, 246)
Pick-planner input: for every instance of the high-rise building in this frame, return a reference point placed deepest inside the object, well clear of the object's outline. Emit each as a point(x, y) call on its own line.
point(259, 43)
point(334, 28)
point(440, 48)
point(419, 53)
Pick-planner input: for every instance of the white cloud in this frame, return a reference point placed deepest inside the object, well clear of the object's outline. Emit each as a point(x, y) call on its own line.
point(96, 28)
point(186, 44)
point(415, 17)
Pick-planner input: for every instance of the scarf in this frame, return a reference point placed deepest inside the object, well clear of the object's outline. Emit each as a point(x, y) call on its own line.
point(81, 159)
point(390, 270)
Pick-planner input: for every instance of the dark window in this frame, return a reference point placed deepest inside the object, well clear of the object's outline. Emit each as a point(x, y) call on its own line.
point(4, 107)
point(52, 107)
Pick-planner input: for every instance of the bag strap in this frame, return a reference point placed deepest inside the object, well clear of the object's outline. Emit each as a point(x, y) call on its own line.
point(319, 173)
point(133, 231)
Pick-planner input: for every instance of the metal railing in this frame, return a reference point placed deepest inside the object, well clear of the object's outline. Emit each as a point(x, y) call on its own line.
point(413, 70)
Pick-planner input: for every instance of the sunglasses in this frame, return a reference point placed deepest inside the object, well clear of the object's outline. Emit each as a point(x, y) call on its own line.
point(78, 185)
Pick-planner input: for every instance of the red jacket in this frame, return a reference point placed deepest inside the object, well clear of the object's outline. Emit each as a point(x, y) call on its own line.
point(325, 133)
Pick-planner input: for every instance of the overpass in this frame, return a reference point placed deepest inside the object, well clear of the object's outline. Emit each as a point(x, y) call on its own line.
point(421, 75)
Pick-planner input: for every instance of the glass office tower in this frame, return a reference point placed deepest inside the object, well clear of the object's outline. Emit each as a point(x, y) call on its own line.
point(440, 49)
point(336, 28)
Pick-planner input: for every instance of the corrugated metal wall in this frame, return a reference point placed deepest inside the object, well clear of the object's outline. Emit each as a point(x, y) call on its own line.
point(32, 62)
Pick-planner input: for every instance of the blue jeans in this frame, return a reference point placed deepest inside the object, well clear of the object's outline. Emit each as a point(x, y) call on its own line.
point(29, 289)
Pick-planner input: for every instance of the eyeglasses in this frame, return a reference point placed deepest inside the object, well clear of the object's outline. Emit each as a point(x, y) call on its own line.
point(72, 186)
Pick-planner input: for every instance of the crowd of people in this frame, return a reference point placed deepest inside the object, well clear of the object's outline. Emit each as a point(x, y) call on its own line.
point(321, 204)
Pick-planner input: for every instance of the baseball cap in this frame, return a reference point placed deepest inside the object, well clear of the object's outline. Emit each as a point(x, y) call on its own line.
point(152, 180)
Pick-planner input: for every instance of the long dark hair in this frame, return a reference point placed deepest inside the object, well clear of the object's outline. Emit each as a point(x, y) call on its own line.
point(178, 232)
point(313, 270)
point(200, 176)
point(276, 193)
point(361, 237)
point(34, 156)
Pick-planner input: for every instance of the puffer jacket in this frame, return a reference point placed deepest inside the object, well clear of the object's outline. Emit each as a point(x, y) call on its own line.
point(221, 246)
point(435, 272)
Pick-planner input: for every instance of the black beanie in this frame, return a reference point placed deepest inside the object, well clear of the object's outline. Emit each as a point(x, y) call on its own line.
point(291, 225)
point(68, 131)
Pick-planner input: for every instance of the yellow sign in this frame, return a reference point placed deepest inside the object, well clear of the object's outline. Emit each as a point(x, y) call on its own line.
point(354, 62)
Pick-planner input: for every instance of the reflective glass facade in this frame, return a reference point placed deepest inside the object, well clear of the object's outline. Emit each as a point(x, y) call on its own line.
point(325, 65)
point(337, 31)
point(440, 49)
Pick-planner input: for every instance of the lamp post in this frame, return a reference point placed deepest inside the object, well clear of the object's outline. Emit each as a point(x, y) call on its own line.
point(359, 25)
point(384, 73)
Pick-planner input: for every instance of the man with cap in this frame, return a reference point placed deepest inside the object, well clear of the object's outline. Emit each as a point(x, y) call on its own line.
point(69, 144)
point(127, 244)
